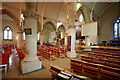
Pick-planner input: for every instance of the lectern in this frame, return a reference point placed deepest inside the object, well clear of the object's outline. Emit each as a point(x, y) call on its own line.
point(88, 30)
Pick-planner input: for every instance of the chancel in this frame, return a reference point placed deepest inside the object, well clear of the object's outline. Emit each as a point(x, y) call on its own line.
point(67, 40)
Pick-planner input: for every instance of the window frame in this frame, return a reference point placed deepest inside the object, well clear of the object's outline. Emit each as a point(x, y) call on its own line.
point(118, 29)
point(81, 17)
point(23, 36)
point(7, 33)
point(37, 35)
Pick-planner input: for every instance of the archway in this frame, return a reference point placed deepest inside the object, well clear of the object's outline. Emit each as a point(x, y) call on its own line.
point(61, 30)
point(49, 22)
point(61, 34)
point(48, 29)
point(4, 11)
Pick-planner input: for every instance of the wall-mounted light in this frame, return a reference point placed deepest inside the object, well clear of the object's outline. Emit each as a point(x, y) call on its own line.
point(22, 17)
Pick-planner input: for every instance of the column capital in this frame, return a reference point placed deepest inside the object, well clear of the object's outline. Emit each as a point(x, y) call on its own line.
point(41, 33)
point(20, 31)
point(28, 13)
point(66, 34)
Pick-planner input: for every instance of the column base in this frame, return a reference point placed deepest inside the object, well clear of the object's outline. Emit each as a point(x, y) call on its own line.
point(87, 49)
point(29, 66)
point(71, 55)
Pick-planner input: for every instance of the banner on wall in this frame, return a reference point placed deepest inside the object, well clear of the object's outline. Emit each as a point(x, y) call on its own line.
point(69, 43)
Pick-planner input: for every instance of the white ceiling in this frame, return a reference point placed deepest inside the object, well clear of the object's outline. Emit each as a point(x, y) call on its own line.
point(55, 10)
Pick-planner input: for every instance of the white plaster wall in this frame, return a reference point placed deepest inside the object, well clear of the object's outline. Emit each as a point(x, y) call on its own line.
point(47, 33)
point(94, 39)
point(1, 31)
point(51, 20)
point(13, 26)
point(107, 22)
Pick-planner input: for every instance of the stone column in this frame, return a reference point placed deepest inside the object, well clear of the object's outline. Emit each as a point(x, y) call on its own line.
point(72, 53)
point(1, 33)
point(30, 62)
point(87, 40)
point(41, 38)
point(20, 45)
point(66, 34)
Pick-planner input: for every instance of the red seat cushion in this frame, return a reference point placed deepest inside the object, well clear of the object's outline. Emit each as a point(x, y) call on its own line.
point(75, 67)
point(5, 58)
point(38, 54)
point(109, 77)
point(21, 55)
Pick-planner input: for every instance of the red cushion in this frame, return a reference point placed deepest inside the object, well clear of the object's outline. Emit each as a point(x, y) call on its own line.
point(109, 77)
point(21, 55)
point(79, 68)
point(5, 58)
point(90, 71)
point(38, 54)
point(51, 54)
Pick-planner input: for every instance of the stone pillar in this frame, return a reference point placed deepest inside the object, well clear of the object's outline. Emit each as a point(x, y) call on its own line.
point(41, 38)
point(87, 40)
point(20, 45)
point(30, 62)
point(1, 33)
point(72, 53)
point(66, 34)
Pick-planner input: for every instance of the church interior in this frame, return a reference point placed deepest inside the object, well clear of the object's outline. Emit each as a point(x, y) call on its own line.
point(60, 40)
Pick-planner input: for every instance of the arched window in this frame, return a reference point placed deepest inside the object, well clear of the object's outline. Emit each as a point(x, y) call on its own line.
point(117, 28)
point(38, 35)
point(8, 34)
point(81, 18)
point(23, 35)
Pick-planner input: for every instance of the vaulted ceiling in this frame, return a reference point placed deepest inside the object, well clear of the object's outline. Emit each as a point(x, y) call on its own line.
point(55, 10)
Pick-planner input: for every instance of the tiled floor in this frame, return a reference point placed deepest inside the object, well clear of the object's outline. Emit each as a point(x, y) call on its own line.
point(14, 69)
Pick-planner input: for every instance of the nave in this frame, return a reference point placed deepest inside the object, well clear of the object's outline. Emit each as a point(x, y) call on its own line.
point(60, 40)
point(14, 68)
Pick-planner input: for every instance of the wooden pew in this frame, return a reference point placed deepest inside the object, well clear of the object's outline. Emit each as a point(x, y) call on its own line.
point(91, 69)
point(95, 70)
point(86, 58)
point(55, 71)
point(76, 65)
point(110, 73)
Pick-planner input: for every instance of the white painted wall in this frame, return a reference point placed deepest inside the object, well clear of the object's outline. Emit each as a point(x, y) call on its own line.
point(14, 28)
point(107, 22)
point(1, 30)
point(47, 33)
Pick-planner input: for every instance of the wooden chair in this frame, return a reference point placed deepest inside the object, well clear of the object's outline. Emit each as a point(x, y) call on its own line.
point(110, 73)
point(4, 65)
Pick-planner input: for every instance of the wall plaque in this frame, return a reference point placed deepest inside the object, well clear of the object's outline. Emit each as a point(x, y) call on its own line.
point(28, 31)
